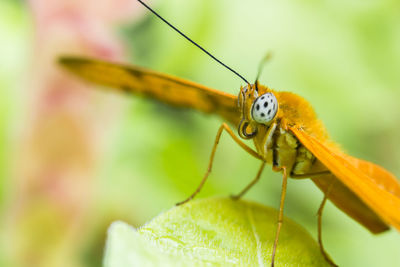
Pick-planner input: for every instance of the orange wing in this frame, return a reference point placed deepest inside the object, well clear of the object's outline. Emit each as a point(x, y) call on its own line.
point(373, 185)
point(168, 89)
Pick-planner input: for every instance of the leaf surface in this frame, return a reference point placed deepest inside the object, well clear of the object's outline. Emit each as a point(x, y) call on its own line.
point(212, 232)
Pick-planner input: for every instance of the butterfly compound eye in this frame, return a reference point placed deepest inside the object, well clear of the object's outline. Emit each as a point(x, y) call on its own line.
point(264, 108)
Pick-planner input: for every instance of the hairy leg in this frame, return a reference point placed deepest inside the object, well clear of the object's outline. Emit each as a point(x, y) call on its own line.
point(280, 217)
point(253, 182)
point(321, 208)
point(223, 127)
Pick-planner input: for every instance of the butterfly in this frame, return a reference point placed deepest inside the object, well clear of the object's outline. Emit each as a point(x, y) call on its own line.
point(286, 133)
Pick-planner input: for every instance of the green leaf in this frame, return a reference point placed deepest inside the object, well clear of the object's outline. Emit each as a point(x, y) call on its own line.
point(212, 232)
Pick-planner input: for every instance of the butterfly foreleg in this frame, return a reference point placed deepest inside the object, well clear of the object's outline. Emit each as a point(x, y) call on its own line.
point(280, 216)
point(223, 127)
point(253, 182)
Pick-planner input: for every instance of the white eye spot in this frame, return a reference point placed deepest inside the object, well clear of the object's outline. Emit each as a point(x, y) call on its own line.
point(264, 108)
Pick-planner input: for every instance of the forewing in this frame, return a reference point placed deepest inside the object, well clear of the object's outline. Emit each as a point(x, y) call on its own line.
point(377, 188)
point(379, 175)
point(165, 88)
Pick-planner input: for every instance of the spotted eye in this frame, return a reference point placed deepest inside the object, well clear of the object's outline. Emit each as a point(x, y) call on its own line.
point(264, 108)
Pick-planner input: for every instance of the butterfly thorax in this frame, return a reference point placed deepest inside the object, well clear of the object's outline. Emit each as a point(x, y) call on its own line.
point(281, 148)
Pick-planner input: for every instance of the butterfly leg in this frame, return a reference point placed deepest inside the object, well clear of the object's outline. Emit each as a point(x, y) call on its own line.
point(280, 217)
point(309, 175)
point(253, 182)
point(324, 253)
point(223, 127)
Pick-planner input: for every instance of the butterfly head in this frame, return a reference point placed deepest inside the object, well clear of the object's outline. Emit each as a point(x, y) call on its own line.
point(259, 106)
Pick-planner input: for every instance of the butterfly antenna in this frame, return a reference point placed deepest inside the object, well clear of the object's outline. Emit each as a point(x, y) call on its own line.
point(193, 42)
point(261, 67)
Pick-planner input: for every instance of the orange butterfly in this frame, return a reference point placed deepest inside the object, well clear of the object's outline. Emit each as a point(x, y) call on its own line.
point(286, 134)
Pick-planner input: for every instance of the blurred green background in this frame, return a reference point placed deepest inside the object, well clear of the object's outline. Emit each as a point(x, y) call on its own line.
point(343, 56)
